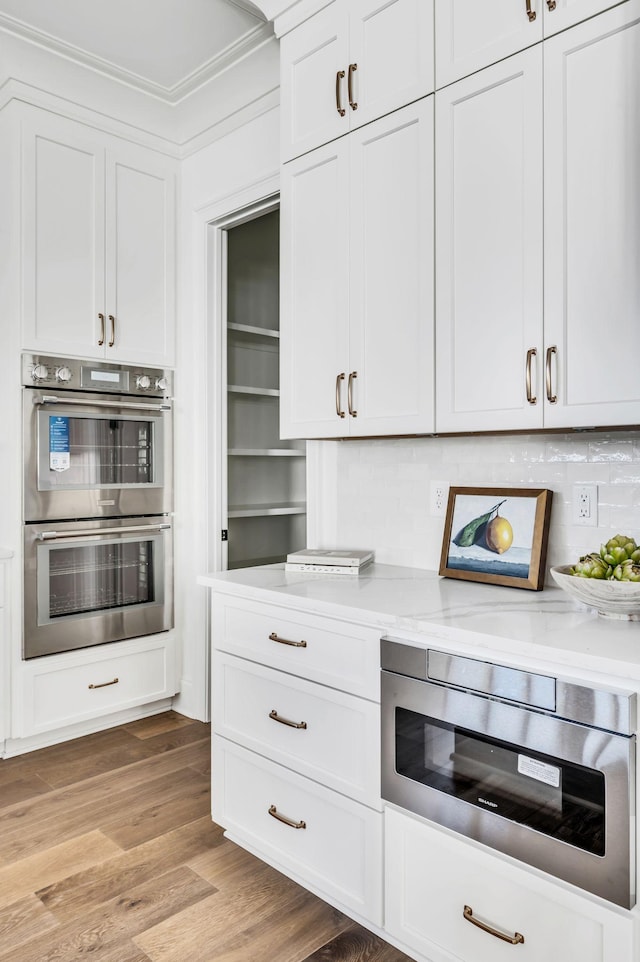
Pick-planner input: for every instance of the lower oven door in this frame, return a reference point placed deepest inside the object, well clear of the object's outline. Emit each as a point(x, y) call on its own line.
point(555, 794)
point(90, 582)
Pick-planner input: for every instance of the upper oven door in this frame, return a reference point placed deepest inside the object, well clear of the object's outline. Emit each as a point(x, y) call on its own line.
point(91, 456)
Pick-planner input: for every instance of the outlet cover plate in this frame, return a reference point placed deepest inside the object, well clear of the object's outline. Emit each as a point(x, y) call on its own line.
point(438, 497)
point(585, 504)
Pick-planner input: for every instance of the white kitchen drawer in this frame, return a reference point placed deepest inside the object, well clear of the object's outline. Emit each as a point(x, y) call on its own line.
point(431, 876)
point(64, 689)
point(337, 741)
point(325, 650)
point(338, 852)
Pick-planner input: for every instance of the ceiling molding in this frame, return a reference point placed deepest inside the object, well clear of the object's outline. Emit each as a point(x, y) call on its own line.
point(235, 51)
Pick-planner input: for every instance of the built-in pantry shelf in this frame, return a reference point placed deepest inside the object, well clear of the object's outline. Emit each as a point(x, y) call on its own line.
point(266, 453)
point(252, 330)
point(257, 391)
point(266, 510)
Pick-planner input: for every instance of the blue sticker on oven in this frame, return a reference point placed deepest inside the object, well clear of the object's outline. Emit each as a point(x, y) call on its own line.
point(59, 456)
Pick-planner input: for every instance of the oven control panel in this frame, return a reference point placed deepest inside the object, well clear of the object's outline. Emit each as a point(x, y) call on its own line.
point(73, 374)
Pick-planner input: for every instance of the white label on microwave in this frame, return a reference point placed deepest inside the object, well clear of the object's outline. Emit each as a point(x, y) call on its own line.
point(59, 451)
point(543, 772)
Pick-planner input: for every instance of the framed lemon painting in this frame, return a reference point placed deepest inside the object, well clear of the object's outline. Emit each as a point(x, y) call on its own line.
point(497, 535)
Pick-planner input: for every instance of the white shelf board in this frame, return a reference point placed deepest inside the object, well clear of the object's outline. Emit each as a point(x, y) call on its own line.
point(249, 329)
point(266, 510)
point(266, 453)
point(257, 391)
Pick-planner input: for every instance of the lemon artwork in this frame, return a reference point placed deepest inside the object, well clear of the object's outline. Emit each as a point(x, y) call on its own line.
point(490, 530)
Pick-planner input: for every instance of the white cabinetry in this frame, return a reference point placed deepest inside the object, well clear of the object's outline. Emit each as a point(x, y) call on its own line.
point(295, 747)
point(503, 362)
point(98, 243)
point(433, 880)
point(357, 284)
point(471, 35)
point(352, 62)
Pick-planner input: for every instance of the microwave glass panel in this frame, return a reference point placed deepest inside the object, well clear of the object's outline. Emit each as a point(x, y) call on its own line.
point(558, 798)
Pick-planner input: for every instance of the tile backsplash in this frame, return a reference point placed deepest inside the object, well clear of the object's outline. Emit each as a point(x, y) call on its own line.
point(382, 488)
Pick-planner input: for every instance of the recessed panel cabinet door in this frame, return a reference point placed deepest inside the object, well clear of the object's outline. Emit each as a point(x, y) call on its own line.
point(63, 236)
point(489, 248)
point(314, 300)
point(391, 267)
point(560, 14)
point(592, 220)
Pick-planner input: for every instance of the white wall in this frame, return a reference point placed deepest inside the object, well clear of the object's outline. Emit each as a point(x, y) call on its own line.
point(376, 493)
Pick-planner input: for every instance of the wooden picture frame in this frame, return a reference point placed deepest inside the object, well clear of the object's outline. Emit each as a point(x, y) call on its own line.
point(497, 536)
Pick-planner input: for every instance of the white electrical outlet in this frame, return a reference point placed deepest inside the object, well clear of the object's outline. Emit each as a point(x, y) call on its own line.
point(439, 493)
point(585, 504)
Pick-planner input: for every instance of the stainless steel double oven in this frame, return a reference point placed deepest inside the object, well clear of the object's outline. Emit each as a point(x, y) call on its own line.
point(97, 503)
point(535, 766)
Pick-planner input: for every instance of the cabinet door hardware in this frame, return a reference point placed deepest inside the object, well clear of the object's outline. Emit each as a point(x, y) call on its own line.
point(551, 4)
point(105, 684)
point(530, 13)
point(286, 721)
point(352, 377)
point(515, 939)
point(113, 330)
point(352, 69)
point(339, 77)
point(531, 353)
point(285, 641)
point(339, 410)
point(101, 338)
point(273, 811)
point(551, 397)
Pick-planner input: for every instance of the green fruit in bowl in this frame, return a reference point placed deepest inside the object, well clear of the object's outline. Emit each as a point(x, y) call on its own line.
point(620, 549)
point(627, 571)
point(591, 566)
point(618, 560)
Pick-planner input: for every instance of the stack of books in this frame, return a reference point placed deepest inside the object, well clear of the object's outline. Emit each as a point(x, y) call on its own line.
point(334, 561)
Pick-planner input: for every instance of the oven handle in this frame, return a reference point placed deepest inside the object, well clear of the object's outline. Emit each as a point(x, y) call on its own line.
point(131, 405)
point(94, 532)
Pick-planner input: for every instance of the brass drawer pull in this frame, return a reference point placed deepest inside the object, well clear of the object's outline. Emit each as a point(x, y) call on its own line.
point(551, 397)
point(339, 410)
point(113, 330)
point(530, 13)
point(105, 684)
point(352, 377)
point(285, 721)
point(352, 69)
point(515, 939)
point(285, 641)
point(273, 811)
point(531, 398)
point(341, 110)
point(101, 339)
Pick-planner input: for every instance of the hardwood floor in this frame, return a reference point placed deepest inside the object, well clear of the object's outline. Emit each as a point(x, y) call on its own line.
point(107, 851)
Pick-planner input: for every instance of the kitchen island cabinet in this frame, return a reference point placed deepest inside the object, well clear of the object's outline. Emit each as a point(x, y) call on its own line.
point(357, 263)
point(350, 63)
point(514, 352)
point(430, 873)
point(98, 243)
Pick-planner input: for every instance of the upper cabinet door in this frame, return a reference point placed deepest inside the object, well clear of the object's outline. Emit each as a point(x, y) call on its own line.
point(313, 82)
point(314, 298)
point(472, 35)
point(390, 56)
point(63, 210)
point(489, 248)
point(592, 225)
point(140, 245)
point(391, 270)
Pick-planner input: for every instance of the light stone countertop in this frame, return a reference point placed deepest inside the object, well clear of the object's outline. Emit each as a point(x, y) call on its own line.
point(539, 628)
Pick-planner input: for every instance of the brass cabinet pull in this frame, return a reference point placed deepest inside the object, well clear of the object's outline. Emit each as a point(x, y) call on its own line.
point(551, 4)
point(352, 377)
point(113, 330)
point(101, 340)
point(530, 13)
point(352, 69)
point(551, 397)
point(285, 721)
point(531, 398)
point(283, 818)
point(285, 641)
point(515, 939)
point(339, 410)
point(105, 684)
point(341, 110)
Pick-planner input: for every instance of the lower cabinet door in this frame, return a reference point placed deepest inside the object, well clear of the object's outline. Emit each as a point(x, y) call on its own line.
point(447, 899)
point(322, 839)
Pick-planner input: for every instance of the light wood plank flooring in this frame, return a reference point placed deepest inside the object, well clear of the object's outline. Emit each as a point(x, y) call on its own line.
point(108, 852)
